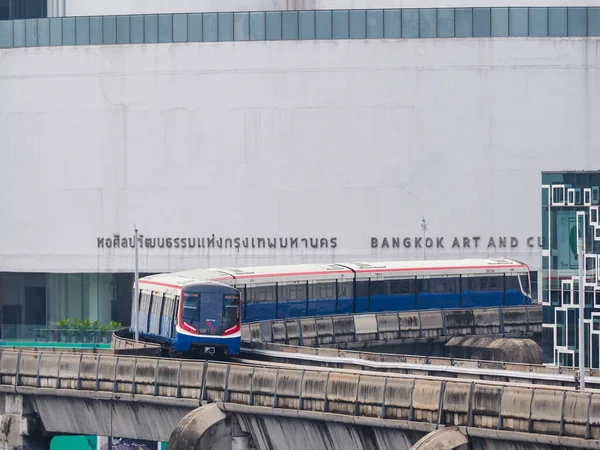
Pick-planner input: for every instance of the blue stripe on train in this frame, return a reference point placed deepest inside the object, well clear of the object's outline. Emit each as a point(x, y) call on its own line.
point(380, 303)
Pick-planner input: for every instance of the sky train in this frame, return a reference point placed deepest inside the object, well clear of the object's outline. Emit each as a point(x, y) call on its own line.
point(216, 301)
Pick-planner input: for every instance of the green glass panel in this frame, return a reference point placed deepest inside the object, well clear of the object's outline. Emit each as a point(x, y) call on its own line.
point(499, 22)
point(427, 23)
point(518, 21)
point(68, 31)
point(323, 24)
point(445, 22)
point(31, 33)
point(257, 26)
point(241, 26)
point(339, 22)
point(123, 30)
point(6, 33)
point(557, 21)
point(179, 27)
point(577, 21)
point(482, 22)
point(392, 23)
point(273, 25)
point(96, 30)
point(358, 24)
point(82, 31)
point(56, 31)
point(109, 30)
point(410, 23)
point(19, 33)
point(374, 24)
point(594, 21)
point(306, 25)
point(463, 18)
point(289, 25)
point(151, 28)
point(165, 28)
point(538, 21)
point(195, 27)
point(43, 32)
point(136, 25)
point(225, 27)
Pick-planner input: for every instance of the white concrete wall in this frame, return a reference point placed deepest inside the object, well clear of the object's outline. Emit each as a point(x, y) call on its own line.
point(115, 7)
point(345, 139)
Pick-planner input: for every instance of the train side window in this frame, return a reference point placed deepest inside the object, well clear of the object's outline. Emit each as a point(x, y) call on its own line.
point(362, 288)
point(468, 284)
point(289, 292)
point(319, 291)
point(166, 327)
point(260, 294)
point(145, 301)
point(250, 295)
point(266, 294)
point(423, 286)
point(379, 287)
point(443, 285)
point(145, 310)
point(157, 303)
point(489, 284)
point(402, 287)
point(176, 311)
point(344, 289)
point(512, 283)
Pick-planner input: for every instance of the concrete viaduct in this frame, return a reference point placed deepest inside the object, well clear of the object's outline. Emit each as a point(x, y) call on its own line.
point(262, 405)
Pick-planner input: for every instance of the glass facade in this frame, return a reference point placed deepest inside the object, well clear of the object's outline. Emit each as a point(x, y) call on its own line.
point(570, 208)
point(31, 303)
point(302, 25)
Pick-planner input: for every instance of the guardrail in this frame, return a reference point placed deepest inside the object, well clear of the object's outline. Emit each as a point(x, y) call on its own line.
point(422, 365)
point(546, 410)
point(341, 331)
point(122, 344)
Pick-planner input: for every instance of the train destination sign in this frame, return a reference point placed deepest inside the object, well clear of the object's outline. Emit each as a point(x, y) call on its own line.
point(319, 242)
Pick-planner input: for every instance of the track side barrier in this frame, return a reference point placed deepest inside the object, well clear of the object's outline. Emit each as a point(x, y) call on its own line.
point(422, 325)
point(552, 411)
point(421, 365)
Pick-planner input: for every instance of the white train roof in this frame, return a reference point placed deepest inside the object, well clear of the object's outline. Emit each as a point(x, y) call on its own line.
point(290, 273)
point(177, 280)
point(300, 272)
point(390, 269)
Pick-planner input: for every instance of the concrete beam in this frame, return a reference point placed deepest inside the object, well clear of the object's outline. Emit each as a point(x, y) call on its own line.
point(20, 427)
point(443, 439)
point(135, 420)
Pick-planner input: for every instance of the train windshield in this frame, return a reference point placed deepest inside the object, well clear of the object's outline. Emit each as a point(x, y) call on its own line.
point(210, 312)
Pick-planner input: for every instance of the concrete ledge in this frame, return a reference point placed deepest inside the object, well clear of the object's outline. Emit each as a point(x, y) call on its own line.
point(515, 321)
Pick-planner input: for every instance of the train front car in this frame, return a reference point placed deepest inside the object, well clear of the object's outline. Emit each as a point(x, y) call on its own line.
point(209, 320)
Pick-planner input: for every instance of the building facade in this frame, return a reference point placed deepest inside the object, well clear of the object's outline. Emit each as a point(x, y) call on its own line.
point(570, 208)
point(260, 137)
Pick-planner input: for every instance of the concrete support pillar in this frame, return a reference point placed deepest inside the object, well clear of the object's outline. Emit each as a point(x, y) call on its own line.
point(20, 429)
point(240, 440)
